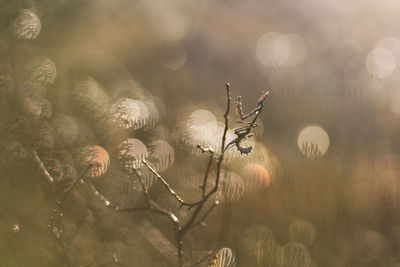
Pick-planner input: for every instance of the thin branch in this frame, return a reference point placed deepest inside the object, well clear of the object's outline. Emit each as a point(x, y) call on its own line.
point(80, 180)
point(201, 203)
point(204, 186)
point(56, 232)
point(207, 150)
point(151, 205)
point(45, 172)
point(169, 188)
point(106, 202)
point(202, 219)
point(166, 184)
point(228, 108)
point(242, 134)
point(66, 194)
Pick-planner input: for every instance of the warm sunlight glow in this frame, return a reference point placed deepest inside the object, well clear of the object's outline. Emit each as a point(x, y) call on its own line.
point(96, 159)
point(313, 141)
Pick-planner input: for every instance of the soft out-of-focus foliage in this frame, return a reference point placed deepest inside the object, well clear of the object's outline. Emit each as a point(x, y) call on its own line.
point(253, 242)
point(26, 25)
point(131, 153)
point(231, 186)
point(161, 154)
point(94, 87)
point(90, 98)
point(295, 254)
point(302, 231)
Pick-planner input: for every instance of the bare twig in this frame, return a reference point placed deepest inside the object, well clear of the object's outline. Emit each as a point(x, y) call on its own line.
point(228, 108)
point(198, 216)
point(202, 219)
point(106, 202)
point(80, 180)
point(45, 172)
point(56, 232)
point(204, 186)
point(201, 203)
point(207, 150)
point(151, 205)
point(173, 192)
point(242, 133)
point(165, 183)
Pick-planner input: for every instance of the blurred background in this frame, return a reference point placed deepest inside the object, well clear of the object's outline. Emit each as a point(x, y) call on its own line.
point(88, 89)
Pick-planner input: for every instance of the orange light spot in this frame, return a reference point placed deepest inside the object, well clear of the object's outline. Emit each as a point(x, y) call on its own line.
point(258, 174)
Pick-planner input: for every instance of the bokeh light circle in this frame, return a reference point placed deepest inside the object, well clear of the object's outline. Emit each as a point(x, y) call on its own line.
point(131, 153)
point(27, 25)
point(255, 177)
point(273, 49)
point(154, 115)
point(392, 44)
point(298, 51)
point(202, 117)
point(44, 72)
point(130, 113)
point(252, 243)
point(313, 141)
point(95, 159)
point(296, 254)
point(231, 187)
point(380, 62)
point(90, 97)
point(302, 231)
point(223, 258)
point(161, 155)
point(202, 128)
